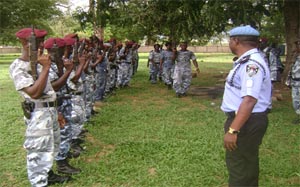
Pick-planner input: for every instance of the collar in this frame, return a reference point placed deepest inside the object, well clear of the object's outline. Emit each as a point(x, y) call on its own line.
point(246, 56)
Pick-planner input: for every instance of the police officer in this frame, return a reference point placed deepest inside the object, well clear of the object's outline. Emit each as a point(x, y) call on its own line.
point(295, 82)
point(245, 101)
point(42, 133)
point(154, 60)
point(182, 76)
point(167, 65)
point(58, 77)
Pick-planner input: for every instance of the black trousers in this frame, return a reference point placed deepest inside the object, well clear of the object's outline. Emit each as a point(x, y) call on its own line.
point(243, 163)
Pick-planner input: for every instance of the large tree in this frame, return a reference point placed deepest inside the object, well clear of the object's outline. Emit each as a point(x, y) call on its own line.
point(16, 14)
point(292, 28)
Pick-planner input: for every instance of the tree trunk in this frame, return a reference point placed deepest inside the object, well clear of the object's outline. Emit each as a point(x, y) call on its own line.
point(292, 30)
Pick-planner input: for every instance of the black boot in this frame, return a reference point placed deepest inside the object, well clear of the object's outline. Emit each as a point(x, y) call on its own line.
point(54, 178)
point(73, 154)
point(64, 167)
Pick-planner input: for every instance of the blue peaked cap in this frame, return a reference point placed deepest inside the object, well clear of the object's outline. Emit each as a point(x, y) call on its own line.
point(243, 31)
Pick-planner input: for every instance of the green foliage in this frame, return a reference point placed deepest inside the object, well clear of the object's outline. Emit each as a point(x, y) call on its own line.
point(17, 14)
point(144, 136)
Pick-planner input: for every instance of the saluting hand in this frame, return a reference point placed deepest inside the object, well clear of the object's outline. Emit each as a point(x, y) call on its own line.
point(68, 64)
point(44, 60)
point(82, 59)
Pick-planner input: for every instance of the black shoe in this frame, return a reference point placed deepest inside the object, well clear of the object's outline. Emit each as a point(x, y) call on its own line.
point(64, 167)
point(169, 86)
point(78, 141)
point(76, 148)
point(94, 112)
point(178, 95)
point(73, 154)
point(54, 178)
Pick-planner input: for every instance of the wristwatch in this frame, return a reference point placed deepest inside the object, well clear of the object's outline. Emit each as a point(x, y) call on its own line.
point(232, 131)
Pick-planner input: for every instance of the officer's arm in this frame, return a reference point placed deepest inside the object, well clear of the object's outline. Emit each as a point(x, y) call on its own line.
point(196, 65)
point(243, 114)
point(36, 90)
point(57, 84)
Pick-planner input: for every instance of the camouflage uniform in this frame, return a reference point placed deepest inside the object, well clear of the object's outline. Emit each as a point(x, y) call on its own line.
point(295, 83)
point(90, 84)
point(65, 108)
point(182, 76)
point(42, 133)
point(155, 58)
point(78, 116)
point(274, 62)
point(101, 77)
point(124, 72)
point(168, 66)
point(135, 56)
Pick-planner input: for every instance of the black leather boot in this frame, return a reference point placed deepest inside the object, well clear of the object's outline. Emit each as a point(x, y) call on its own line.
point(64, 167)
point(54, 178)
point(73, 154)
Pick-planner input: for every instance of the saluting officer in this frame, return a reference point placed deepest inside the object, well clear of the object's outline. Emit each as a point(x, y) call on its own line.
point(246, 98)
point(42, 133)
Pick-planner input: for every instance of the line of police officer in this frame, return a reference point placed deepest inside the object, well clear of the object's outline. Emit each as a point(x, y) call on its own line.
point(59, 90)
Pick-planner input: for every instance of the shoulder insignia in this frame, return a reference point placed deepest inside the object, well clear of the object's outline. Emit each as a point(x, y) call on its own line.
point(244, 59)
point(251, 69)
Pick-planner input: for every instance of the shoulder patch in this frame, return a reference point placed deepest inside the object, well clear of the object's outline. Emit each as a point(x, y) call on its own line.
point(251, 69)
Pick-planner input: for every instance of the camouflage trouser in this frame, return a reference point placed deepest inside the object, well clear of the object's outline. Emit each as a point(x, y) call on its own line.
point(108, 78)
point(167, 73)
point(66, 131)
point(154, 72)
point(42, 144)
point(296, 99)
point(100, 83)
point(182, 79)
point(89, 94)
point(77, 115)
point(113, 78)
point(275, 76)
point(123, 74)
point(135, 67)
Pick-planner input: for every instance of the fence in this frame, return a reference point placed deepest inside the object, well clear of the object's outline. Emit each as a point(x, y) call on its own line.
point(195, 49)
point(6, 50)
point(144, 49)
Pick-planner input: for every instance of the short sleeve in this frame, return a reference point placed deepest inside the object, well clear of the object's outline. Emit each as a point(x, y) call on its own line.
point(19, 72)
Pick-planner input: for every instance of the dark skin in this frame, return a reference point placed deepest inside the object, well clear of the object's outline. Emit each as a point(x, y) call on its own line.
point(68, 64)
point(230, 140)
point(79, 68)
point(36, 90)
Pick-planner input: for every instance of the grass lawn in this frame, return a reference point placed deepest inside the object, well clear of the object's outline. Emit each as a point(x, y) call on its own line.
point(146, 137)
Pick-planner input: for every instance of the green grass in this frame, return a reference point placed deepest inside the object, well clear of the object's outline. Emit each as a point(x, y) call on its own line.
point(145, 136)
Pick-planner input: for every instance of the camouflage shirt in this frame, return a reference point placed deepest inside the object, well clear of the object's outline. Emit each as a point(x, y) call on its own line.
point(20, 73)
point(184, 58)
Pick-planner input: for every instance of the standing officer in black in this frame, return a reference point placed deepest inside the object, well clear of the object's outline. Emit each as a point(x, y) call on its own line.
point(246, 98)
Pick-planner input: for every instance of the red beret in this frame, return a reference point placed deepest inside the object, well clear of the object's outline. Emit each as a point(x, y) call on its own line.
point(50, 42)
point(69, 41)
point(85, 40)
point(26, 32)
point(71, 35)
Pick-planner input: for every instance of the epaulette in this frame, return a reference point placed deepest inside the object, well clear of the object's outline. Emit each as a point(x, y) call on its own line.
point(244, 59)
